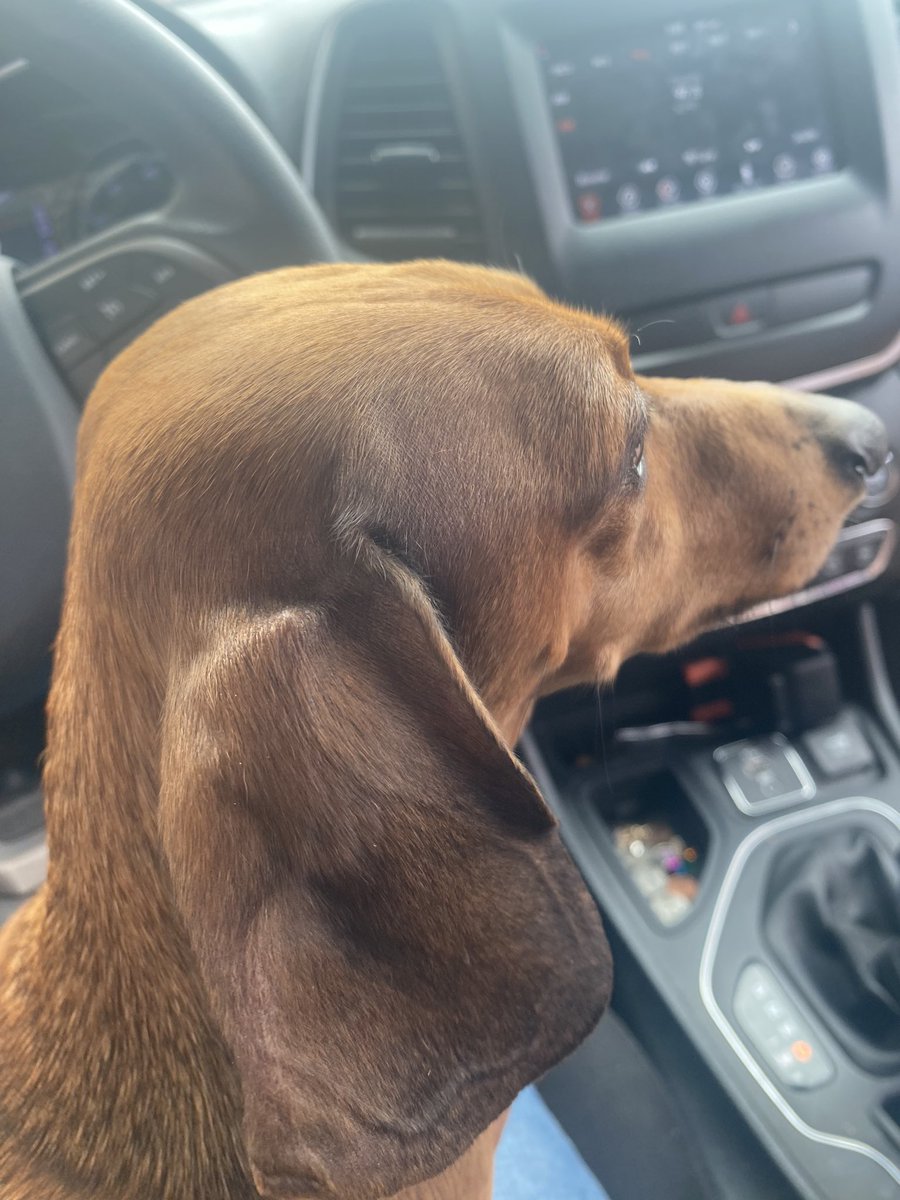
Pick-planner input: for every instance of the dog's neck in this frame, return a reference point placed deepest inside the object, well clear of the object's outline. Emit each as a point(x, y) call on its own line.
point(116, 1079)
point(114, 1062)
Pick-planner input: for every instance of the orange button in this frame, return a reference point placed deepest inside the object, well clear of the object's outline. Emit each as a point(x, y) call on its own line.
point(802, 1051)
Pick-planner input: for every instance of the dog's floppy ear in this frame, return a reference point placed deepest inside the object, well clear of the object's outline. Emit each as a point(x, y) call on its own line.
point(392, 937)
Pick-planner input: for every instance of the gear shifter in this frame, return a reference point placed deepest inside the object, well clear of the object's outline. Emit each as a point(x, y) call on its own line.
point(833, 919)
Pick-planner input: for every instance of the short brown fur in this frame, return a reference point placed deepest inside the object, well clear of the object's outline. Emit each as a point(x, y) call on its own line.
point(308, 926)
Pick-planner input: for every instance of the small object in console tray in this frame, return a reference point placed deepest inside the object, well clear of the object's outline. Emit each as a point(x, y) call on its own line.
point(661, 865)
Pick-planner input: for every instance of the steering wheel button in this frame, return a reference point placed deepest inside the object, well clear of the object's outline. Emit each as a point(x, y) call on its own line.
point(169, 280)
point(116, 309)
point(69, 342)
point(163, 273)
point(91, 280)
point(112, 308)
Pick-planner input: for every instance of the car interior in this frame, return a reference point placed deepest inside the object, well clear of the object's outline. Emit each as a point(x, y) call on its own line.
point(722, 176)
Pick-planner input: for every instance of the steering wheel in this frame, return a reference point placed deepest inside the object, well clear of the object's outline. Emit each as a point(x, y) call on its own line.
point(238, 207)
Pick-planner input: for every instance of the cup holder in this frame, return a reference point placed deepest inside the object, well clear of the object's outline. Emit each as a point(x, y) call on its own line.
point(659, 838)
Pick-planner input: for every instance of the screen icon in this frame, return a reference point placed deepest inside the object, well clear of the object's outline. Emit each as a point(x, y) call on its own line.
point(668, 190)
point(706, 181)
point(784, 167)
point(822, 160)
point(629, 197)
point(590, 206)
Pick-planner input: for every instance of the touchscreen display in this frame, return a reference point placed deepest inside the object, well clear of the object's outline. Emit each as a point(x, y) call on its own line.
point(688, 109)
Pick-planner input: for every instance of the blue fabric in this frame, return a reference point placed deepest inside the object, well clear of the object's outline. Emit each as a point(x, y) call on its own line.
point(536, 1161)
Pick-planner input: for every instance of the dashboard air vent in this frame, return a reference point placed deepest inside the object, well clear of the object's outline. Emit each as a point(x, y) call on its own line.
point(401, 184)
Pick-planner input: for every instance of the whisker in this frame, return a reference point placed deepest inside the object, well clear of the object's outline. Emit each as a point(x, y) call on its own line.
point(662, 321)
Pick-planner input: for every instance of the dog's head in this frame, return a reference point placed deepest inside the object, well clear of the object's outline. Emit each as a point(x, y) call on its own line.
point(337, 528)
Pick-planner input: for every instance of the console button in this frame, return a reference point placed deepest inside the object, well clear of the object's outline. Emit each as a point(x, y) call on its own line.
point(834, 565)
point(840, 748)
point(777, 1030)
point(863, 551)
point(741, 312)
point(764, 773)
point(830, 291)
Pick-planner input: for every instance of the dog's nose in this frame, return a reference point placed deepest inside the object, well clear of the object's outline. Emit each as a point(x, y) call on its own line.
point(866, 445)
point(855, 440)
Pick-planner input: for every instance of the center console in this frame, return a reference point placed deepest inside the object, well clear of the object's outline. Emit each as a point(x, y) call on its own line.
point(755, 881)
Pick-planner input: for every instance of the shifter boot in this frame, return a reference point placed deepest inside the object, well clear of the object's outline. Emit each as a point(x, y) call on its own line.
point(833, 920)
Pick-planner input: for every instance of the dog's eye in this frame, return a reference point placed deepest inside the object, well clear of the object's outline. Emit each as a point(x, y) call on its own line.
point(638, 465)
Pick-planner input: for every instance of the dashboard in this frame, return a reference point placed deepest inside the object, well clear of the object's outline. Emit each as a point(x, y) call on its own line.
point(723, 176)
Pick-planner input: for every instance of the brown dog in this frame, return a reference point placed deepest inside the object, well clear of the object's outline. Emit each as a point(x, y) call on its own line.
point(308, 926)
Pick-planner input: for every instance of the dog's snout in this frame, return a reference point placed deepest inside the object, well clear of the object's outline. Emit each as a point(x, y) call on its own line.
point(855, 440)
